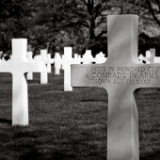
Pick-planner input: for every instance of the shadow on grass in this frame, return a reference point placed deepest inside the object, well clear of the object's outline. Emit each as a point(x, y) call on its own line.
point(33, 82)
point(62, 156)
point(31, 153)
point(2, 120)
point(154, 156)
point(93, 100)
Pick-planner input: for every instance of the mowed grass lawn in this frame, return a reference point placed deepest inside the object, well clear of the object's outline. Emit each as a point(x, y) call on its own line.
point(70, 125)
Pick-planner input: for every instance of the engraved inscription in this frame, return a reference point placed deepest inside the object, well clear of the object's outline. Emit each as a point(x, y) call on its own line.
point(120, 75)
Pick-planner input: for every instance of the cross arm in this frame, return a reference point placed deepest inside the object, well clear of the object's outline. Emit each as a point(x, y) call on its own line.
point(21, 66)
point(33, 66)
point(48, 61)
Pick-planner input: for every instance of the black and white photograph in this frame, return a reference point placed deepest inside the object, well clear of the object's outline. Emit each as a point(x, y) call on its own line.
point(80, 80)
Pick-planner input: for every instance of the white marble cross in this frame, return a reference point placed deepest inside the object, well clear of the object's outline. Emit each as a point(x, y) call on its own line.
point(153, 54)
point(68, 60)
point(50, 61)
point(77, 59)
point(87, 57)
point(30, 58)
point(44, 74)
point(47, 59)
point(57, 64)
point(150, 55)
point(100, 58)
point(18, 66)
point(120, 76)
point(141, 58)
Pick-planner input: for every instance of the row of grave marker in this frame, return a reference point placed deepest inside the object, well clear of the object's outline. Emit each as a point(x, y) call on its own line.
point(61, 60)
point(87, 58)
point(47, 60)
point(22, 62)
point(61, 63)
point(65, 61)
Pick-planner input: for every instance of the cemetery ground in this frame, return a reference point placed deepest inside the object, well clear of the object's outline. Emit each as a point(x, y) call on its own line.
point(70, 125)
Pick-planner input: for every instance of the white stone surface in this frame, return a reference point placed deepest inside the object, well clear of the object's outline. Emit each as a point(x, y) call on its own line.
point(150, 54)
point(153, 54)
point(157, 60)
point(100, 58)
point(43, 74)
point(77, 59)
point(30, 58)
point(141, 58)
point(47, 59)
point(50, 61)
point(57, 64)
point(87, 57)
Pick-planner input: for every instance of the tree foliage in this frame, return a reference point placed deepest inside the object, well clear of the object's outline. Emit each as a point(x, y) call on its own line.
point(78, 23)
point(14, 21)
point(81, 24)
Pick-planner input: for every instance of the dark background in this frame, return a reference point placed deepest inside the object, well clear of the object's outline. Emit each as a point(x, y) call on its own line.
point(81, 24)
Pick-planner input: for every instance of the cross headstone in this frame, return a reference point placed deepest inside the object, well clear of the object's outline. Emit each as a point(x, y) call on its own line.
point(150, 54)
point(87, 57)
point(50, 61)
point(67, 58)
point(77, 59)
point(46, 58)
point(141, 58)
point(100, 58)
point(18, 66)
point(153, 54)
point(43, 74)
point(30, 58)
point(120, 76)
point(57, 63)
